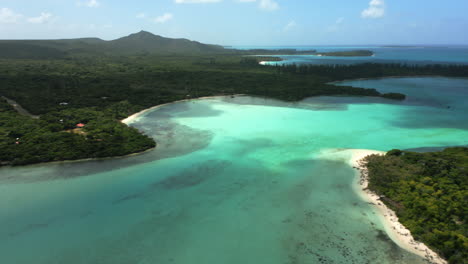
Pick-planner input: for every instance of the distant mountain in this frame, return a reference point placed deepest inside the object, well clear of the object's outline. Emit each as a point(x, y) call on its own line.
point(142, 42)
point(146, 42)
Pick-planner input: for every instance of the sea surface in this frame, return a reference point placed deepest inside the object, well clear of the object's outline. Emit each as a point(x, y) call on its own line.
point(414, 55)
point(233, 180)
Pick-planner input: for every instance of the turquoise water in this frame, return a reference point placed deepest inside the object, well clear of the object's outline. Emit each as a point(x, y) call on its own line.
point(412, 55)
point(234, 180)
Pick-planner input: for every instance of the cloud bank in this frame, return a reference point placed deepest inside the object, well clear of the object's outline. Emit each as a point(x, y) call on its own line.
point(8, 16)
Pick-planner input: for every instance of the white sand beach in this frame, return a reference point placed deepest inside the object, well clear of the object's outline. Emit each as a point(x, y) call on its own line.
point(135, 116)
point(397, 232)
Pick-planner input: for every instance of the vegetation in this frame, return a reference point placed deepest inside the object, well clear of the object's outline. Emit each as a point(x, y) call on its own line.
point(351, 53)
point(139, 43)
point(429, 192)
point(376, 70)
point(54, 136)
point(394, 96)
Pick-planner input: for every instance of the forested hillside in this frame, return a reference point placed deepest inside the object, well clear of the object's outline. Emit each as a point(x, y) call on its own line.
point(138, 43)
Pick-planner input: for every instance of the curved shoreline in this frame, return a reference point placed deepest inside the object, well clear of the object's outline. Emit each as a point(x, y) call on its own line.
point(133, 117)
point(128, 120)
point(396, 231)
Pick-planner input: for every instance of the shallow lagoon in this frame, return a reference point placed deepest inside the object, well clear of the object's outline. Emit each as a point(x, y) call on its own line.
point(234, 180)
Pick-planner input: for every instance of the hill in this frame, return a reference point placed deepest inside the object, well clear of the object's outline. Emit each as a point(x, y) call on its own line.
point(146, 42)
point(142, 42)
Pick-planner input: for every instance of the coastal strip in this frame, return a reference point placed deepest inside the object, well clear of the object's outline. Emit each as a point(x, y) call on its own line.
point(396, 231)
point(135, 116)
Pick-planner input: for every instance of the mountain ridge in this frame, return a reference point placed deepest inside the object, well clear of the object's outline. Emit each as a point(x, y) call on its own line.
point(142, 42)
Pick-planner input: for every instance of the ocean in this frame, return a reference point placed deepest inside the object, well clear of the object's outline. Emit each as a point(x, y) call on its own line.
point(414, 55)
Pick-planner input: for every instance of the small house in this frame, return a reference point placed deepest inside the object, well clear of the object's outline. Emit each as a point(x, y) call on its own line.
point(80, 125)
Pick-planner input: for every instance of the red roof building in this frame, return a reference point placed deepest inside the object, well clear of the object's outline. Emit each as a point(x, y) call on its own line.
point(80, 125)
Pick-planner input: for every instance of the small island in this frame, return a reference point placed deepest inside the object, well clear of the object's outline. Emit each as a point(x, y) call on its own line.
point(351, 53)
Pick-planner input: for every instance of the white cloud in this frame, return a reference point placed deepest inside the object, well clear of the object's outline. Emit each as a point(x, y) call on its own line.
point(269, 5)
point(376, 9)
point(8, 16)
point(292, 24)
point(89, 3)
point(196, 1)
point(43, 18)
point(141, 15)
point(163, 18)
point(339, 20)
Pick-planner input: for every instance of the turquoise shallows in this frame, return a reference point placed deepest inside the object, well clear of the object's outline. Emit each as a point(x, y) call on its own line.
point(234, 180)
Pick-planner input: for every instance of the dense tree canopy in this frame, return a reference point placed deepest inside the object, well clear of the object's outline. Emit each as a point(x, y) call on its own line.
point(55, 137)
point(429, 192)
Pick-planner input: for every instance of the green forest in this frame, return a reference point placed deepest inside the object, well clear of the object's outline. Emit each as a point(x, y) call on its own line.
point(429, 193)
point(54, 137)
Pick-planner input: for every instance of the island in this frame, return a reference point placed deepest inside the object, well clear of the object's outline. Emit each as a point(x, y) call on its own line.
point(351, 53)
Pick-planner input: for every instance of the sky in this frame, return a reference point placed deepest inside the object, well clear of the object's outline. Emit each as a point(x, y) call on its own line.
point(243, 22)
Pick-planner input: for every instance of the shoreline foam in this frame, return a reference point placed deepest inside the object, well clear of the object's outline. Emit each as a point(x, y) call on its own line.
point(396, 231)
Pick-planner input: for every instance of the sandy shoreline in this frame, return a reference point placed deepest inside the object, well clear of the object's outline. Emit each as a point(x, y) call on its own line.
point(135, 116)
point(397, 232)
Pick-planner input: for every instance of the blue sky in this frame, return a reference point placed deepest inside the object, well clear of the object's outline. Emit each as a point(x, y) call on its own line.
point(243, 22)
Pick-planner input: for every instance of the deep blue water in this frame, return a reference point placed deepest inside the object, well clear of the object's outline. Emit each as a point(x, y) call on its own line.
point(412, 55)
